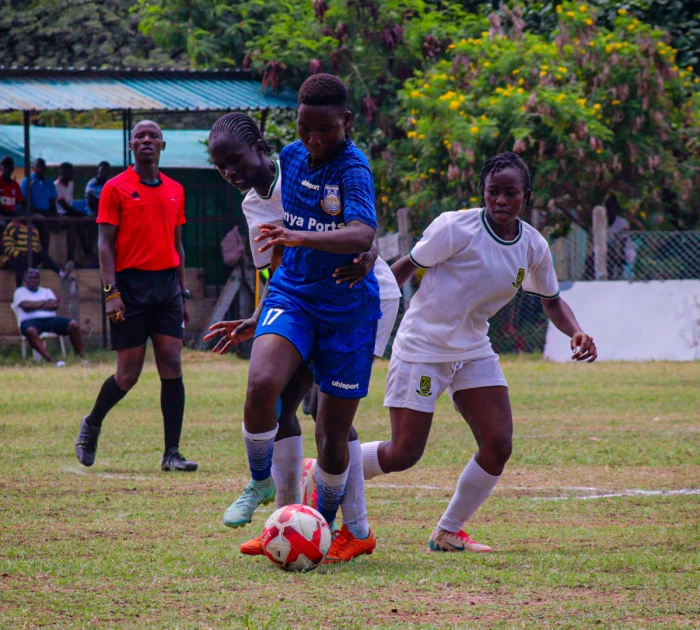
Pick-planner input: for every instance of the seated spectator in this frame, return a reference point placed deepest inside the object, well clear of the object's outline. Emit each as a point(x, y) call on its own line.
point(95, 185)
point(85, 231)
point(43, 198)
point(16, 251)
point(36, 308)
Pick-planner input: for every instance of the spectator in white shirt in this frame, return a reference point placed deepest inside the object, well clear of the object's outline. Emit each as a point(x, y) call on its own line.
point(36, 308)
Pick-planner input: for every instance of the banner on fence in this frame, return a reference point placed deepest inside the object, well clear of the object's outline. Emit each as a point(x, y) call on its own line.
point(634, 321)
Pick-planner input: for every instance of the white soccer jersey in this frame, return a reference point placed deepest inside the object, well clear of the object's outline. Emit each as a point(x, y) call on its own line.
point(258, 209)
point(263, 209)
point(471, 274)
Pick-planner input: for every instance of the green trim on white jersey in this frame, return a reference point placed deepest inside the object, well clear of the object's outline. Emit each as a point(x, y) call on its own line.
point(497, 238)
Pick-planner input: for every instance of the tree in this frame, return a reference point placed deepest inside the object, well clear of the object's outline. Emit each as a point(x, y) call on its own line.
point(591, 110)
point(81, 33)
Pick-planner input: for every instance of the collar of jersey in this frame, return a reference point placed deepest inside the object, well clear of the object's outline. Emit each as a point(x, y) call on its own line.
point(497, 238)
point(274, 182)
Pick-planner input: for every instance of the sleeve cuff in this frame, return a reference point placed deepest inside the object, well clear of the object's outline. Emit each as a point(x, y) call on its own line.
point(415, 262)
point(544, 297)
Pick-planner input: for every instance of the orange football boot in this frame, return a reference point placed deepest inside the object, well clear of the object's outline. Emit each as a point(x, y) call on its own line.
point(345, 546)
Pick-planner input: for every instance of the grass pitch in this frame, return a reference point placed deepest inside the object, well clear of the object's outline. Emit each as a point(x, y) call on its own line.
point(596, 521)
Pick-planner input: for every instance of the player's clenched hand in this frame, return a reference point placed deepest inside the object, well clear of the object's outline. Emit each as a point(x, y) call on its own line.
point(115, 310)
point(276, 235)
point(237, 331)
point(356, 271)
point(583, 348)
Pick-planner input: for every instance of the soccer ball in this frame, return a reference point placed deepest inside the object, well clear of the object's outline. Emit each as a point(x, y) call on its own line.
point(296, 538)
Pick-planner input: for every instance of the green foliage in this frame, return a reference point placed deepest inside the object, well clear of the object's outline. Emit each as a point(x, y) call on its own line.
point(591, 110)
point(81, 33)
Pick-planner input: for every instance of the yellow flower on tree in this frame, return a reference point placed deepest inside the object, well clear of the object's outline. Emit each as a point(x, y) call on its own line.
point(454, 105)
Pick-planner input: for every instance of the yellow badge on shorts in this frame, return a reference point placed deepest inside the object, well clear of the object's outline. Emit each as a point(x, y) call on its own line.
point(424, 387)
point(331, 199)
point(519, 279)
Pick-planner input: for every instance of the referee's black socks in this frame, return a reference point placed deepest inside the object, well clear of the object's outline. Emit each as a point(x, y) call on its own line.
point(109, 395)
point(172, 403)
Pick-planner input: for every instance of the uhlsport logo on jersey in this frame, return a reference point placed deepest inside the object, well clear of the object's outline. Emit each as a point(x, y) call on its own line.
point(424, 386)
point(519, 279)
point(331, 199)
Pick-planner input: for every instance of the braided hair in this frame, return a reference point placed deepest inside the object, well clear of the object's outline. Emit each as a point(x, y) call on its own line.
point(501, 162)
point(243, 127)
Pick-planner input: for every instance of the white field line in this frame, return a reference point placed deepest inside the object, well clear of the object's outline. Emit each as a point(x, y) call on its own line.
point(80, 471)
point(625, 493)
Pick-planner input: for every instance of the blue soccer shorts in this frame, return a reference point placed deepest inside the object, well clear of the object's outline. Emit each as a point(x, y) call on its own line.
point(342, 359)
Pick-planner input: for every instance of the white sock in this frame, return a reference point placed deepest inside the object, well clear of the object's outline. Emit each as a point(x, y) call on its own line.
point(331, 489)
point(370, 460)
point(286, 470)
point(354, 506)
point(473, 488)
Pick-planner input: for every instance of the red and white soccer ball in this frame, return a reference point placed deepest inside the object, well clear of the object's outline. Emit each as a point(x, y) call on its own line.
point(296, 538)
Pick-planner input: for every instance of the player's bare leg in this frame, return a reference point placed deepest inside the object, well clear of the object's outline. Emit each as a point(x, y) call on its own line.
point(487, 411)
point(273, 362)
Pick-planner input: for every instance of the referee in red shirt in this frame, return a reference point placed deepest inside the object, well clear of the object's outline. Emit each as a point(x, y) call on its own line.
point(140, 217)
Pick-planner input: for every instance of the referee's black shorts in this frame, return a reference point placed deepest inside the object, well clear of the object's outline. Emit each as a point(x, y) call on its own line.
point(153, 304)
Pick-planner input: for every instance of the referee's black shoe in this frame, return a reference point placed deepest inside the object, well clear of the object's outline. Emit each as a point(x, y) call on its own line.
point(86, 446)
point(173, 460)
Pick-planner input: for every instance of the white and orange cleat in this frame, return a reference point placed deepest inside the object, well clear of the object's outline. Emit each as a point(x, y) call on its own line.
point(345, 546)
point(309, 491)
point(253, 547)
point(442, 540)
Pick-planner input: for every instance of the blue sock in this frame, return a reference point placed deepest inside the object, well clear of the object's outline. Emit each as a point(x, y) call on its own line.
point(260, 447)
point(331, 489)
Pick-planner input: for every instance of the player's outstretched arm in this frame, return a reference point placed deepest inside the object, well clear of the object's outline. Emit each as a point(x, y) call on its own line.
point(561, 315)
point(403, 270)
point(354, 237)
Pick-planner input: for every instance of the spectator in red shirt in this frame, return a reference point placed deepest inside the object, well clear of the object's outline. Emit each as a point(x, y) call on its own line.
point(10, 192)
point(140, 218)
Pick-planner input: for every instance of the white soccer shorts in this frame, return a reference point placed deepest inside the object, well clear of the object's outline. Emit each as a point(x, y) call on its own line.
point(418, 385)
point(390, 309)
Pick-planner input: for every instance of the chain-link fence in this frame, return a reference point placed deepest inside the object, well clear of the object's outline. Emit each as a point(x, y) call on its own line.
point(632, 256)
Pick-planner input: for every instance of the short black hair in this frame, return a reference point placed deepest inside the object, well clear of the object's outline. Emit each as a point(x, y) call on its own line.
point(104, 163)
point(40, 161)
point(7, 160)
point(501, 162)
point(242, 126)
point(323, 89)
point(64, 165)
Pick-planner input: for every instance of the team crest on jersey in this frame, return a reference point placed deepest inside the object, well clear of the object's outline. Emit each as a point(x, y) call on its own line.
point(331, 199)
point(424, 387)
point(520, 278)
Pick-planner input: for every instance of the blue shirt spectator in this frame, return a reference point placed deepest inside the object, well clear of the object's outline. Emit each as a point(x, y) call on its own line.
point(43, 189)
point(93, 190)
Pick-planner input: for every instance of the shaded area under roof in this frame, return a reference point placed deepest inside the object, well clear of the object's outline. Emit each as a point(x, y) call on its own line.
point(88, 147)
point(161, 90)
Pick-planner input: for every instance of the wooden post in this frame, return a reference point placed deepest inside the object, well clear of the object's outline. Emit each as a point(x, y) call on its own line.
point(600, 242)
point(405, 242)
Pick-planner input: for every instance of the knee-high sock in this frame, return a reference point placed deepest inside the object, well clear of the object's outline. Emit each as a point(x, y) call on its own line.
point(172, 404)
point(370, 460)
point(260, 447)
point(110, 394)
point(473, 488)
point(331, 489)
point(286, 470)
point(354, 505)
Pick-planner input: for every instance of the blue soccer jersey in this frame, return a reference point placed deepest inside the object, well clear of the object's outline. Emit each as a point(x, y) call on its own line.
point(325, 198)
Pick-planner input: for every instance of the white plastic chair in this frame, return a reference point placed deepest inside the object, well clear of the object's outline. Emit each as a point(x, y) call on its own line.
point(45, 335)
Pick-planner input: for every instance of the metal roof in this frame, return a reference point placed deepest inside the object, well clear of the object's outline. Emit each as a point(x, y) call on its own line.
point(87, 147)
point(39, 89)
